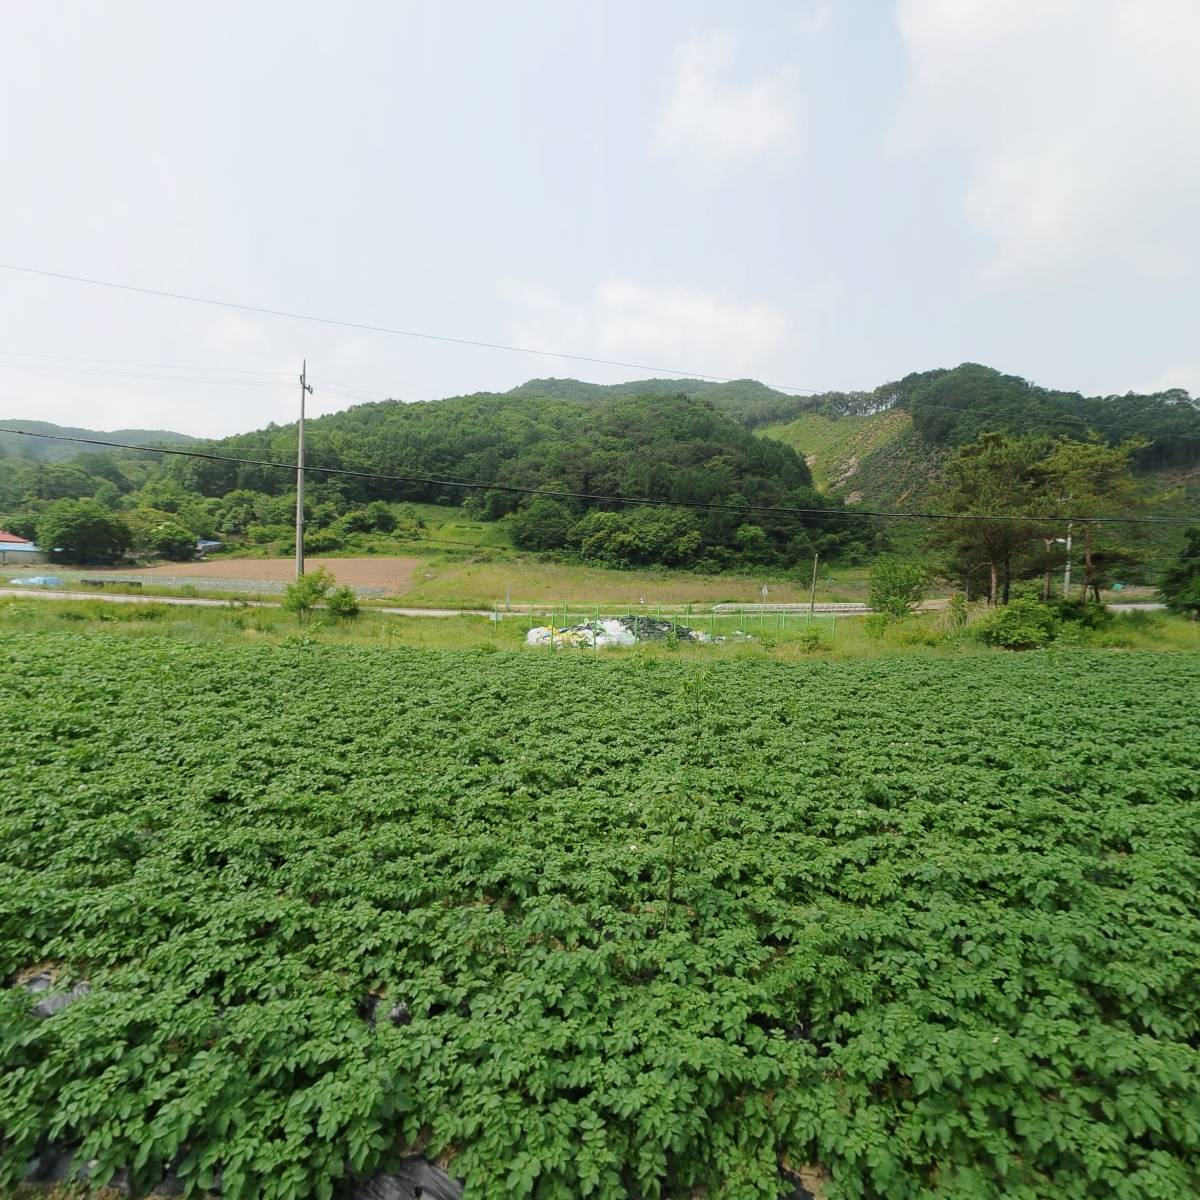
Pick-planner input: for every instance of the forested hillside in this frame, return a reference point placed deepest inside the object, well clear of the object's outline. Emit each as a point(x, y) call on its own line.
point(735, 447)
point(677, 450)
point(32, 449)
point(887, 447)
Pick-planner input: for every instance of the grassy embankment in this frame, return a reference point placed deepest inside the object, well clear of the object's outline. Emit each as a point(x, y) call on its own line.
point(778, 636)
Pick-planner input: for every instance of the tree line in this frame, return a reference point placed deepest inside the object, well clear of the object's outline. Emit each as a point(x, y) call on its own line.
point(678, 451)
point(1018, 479)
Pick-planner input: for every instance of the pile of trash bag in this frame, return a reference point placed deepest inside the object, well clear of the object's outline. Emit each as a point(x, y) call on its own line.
point(616, 631)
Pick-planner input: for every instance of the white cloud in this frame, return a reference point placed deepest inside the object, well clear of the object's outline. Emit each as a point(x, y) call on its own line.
point(722, 121)
point(1077, 120)
point(680, 329)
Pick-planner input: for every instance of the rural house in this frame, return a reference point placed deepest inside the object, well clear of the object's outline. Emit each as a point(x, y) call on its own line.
point(18, 551)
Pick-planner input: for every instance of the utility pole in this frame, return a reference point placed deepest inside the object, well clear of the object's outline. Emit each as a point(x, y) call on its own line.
point(305, 389)
point(812, 600)
point(1067, 568)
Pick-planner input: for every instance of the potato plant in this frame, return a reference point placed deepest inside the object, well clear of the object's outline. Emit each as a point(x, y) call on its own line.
point(583, 927)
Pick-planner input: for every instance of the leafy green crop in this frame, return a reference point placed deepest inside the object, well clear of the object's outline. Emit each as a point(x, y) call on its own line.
point(621, 927)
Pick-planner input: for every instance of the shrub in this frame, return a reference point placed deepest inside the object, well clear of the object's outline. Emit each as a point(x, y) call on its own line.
point(307, 592)
point(810, 641)
point(896, 586)
point(1087, 616)
point(876, 624)
point(957, 611)
point(260, 535)
point(1113, 639)
point(343, 603)
point(322, 541)
point(1021, 625)
point(912, 634)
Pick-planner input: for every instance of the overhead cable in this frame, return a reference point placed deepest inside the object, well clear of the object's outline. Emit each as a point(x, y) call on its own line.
point(563, 494)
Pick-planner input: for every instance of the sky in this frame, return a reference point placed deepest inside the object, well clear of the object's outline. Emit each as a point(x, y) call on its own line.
point(814, 193)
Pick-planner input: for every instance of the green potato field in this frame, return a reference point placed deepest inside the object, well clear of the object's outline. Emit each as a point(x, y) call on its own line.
point(578, 926)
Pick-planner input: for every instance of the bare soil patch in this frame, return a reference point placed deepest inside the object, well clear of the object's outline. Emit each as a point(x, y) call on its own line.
point(394, 574)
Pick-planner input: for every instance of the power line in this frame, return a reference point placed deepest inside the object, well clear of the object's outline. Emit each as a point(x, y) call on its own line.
point(1048, 423)
point(366, 328)
point(1045, 423)
point(563, 494)
point(345, 389)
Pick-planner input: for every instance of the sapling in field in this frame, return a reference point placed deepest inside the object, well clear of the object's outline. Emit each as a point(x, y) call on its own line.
point(307, 592)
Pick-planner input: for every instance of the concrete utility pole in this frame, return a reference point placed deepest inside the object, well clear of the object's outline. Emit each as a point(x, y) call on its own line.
point(812, 600)
point(305, 389)
point(1067, 568)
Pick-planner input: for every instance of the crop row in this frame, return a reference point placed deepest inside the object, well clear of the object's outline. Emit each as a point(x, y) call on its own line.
point(578, 927)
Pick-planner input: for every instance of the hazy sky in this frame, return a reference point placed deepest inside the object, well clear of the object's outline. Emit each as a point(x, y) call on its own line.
point(815, 194)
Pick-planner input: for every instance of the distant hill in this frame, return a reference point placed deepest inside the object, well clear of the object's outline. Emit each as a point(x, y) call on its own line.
point(44, 450)
point(749, 402)
point(885, 448)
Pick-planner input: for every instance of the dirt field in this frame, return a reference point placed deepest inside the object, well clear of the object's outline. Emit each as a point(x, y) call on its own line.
point(392, 574)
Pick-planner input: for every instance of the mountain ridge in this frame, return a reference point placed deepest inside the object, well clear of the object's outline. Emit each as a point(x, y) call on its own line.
point(46, 450)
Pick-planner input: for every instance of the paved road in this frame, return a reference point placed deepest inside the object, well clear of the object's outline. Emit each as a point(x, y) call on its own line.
point(202, 602)
point(849, 610)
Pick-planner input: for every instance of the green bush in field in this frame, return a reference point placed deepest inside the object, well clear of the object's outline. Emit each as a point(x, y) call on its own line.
point(1085, 615)
point(876, 624)
point(302, 596)
point(343, 603)
point(896, 586)
point(1023, 624)
point(322, 541)
point(811, 640)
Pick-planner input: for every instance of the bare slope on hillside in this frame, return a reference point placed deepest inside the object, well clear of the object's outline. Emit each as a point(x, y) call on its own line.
point(867, 459)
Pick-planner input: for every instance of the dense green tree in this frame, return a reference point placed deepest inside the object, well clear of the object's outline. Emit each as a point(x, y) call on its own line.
point(83, 531)
point(951, 408)
point(164, 494)
point(752, 543)
point(896, 586)
point(1094, 479)
point(107, 494)
point(544, 524)
point(644, 537)
point(173, 541)
point(1180, 585)
point(60, 481)
point(995, 478)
